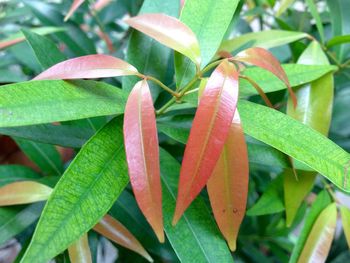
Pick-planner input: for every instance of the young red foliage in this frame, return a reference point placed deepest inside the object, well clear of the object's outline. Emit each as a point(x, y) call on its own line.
point(75, 5)
point(228, 185)
point(142, 154)
point(208, 134)
point(88, 67)
point(264, 59)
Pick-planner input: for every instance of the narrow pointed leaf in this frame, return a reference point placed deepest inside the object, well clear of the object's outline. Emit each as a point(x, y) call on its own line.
point(209, 131)
point(75, 5)
point(141, 146)
point(100, 4)
point(338, 40)
point(23, 192)
point(345, 217)
point(170, 32)
point(85, 193)
point(264, 59)
point(80, 252)
point(228, 185)
point(319, 241)
point(13, 173)
point(315, 13)
point(115, 231)
point(88, 67)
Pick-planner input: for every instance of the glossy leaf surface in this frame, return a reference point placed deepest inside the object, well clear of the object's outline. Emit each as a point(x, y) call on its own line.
point(115, 231)
point(228, 185)
point(208, 134)
point(37, 102)
point(170, 32)
point(345, 217)
point(88, 67)
point(141, 145)
point(79, 251)
point(284, 133)
point(75, 5)
point(264, 59)
point(338, 40)
point(24, 192)
point(86, 191)
point(321, 236)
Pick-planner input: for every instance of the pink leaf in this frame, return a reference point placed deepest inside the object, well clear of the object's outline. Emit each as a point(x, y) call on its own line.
point(73, 8)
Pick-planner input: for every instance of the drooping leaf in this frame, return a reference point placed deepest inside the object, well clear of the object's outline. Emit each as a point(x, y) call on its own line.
point(115, 231)
point(75, 5)
point(264, 59)
point(228, 185)
point(319, 241)
point(37, 102)
point(271, 200)
point(13, 173)
point(264, 39)
point(79, 251)
point(208, 134)
point(203, 242)
point(23, 192)
point(88, 67)
point(298, 141)
point(213, 15)
point(141, 146)
point(145, 53)
point(19, 37)
point(86, 191)
point(42, 46)
point(345, 217)
point(45, 156)
point(170, 32)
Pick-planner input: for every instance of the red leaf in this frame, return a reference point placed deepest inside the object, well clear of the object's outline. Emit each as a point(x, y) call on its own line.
point(115, 231)
point(264, 59)
point(73, 8)
point(141, 145)
point(228, 185)
point(170, 32)
point(208, 134)
point(88, 67)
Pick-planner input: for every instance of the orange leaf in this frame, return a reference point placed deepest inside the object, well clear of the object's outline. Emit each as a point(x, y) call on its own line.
point(142, 152)
point(264, 59)
point(75, 5)
point(88, 67)
point(79, 252)
point(169, 31)
point(209, 131)
point(115, 231)
point(228, 185)
point(23, 192)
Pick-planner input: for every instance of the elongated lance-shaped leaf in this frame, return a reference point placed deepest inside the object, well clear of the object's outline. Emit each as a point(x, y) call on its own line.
point(228, 185)
point(83, 195)
point(209, 131)
point(24, 192)
point(321, 236)
point(80, 252)
point(75, 5)
point(115, 231)
point(141, 146)
point(345, 218)
point(264, 59)
point(170, 32)
point(100, 4)
point(89, 67)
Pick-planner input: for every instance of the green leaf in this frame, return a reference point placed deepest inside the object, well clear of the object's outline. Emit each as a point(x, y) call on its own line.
point(145, 53)
point(298, 141)
point(14, 173)
point(203, 242)
point(314, 12)
point(338, 40)
point(271, 201)
point(14, 220)
point(45, 156)
point(86, 191)
point(345, 217)
point(62, 135)
point(322, 201)
point(284, 6)
point(212, 15)
point(37, 102)
point(43, 46)
point(340, 24)
point(265, 39)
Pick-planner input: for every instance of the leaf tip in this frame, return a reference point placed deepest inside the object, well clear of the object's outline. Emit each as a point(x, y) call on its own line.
point(232, 244)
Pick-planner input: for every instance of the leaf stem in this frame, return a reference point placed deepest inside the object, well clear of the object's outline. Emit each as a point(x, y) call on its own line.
point(163, 86)
point(166, 106)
